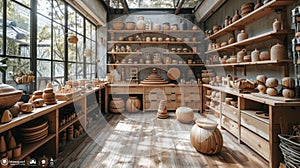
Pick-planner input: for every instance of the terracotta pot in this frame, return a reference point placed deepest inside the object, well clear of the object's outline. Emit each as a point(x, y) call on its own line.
point(133, 104)
point(130, 25)
point(184, 114)
point(255, 55)
point(241, 54)
point(206, 137)
point(6, 116)
point(288, 82)
point(272, 91)
point(258, 4)
point(231, 40)
point(14, 110)
point(166, 26)
point(288, 93)
point(117, 25)
point(271, 82)
point(262, 88)
point(278, 52)
point(276, 25)
point(27, 107)
point(264, 55)
point(237, 16)
point(140, 24)
point(242, 36)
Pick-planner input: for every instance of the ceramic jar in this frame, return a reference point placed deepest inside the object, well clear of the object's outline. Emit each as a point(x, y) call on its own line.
point(264, 55)
point(272, 91)
point(241, 54)
point(236, 17)
point(278, 52)
point(255, 55)
point(133, 104)
point(276, 25)
point(288, 93)
point(261, 79)
point(140, 24)
point(206, 137)
point(166, 26)
point(242, 36)
point(117, 105)
point(174, 27)
point(262, 89)
point(288, 82)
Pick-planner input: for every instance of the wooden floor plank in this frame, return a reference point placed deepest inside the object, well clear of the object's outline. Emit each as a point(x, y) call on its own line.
point(142, 140)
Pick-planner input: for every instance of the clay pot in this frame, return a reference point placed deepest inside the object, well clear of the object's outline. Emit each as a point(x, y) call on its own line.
point(264, 55)
point(14, 110)
point(174, 27)
point(226, 22)
point(237, 16)
point(27, 107)
point(156, 27)
point(6, 116)
point(38, 103)
point(261, 79)
point(130, 25)
point(262, 89)
point(231, 40)
point(195, 28)
point(242, 36)
point(206, 137)
point(288, 93)
point(278, 52)
point(166, 26)
point(117, 105)
point(184, 114)
point(133, 104)
point(271, 82)
point(247, 58)
point(241, 54)
point(117, 25)
point(255, 55)
point(9, 96)
point(272, 91)
point(140, 24)
point(276, 25)
point(258, 4)
point(288, 82)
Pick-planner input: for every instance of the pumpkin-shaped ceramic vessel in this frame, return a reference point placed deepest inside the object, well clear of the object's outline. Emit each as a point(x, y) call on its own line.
point(271, 82)
point(184, 114)
point(288, 93)
point(117, 105)
point(206, 137)
point(262, 89)
point(261, 79)
point(272, 91)
point(288, 82)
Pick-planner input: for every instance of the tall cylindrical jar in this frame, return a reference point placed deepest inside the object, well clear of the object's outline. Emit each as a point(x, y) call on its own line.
point(278, 52)
point(140, 24)
point(276, 25)
point(255, 55)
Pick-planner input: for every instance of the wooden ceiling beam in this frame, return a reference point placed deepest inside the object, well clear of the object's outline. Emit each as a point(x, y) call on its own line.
point(178, 8)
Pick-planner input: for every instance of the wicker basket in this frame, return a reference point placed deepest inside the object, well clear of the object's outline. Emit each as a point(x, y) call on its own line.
point(290, 150)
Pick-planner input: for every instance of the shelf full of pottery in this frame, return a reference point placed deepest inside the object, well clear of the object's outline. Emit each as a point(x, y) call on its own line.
point(238, 49)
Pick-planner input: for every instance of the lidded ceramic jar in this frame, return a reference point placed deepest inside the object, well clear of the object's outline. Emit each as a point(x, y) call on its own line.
point(242, 36)
point(140, 24)
point(278, 52)
point(276, 25)
point(255, 55)
point(264, 55)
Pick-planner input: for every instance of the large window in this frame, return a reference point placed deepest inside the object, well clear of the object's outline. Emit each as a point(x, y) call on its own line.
point(55, 21)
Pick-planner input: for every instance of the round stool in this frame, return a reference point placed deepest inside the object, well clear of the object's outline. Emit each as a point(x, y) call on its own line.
point(184, 114)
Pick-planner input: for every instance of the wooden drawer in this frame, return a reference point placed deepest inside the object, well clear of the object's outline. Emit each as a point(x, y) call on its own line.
point(172, 89)
point(257, 126)
point(176, 97)
point(117, 90)
point(230, 111)
point(230, 125)
point(148, 89)
point(257, 143)
point(135, 90)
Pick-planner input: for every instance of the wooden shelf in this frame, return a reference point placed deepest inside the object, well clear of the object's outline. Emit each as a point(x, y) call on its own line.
point(251, 40)
point(152, 42)
point(250, 63)
point(214, 109)
point(152, 31)
point(70, 123)
point(27, 149)
point(151, 65)
point(254, 15)
point(93, 107)
point(125, 53)
point(252, 114)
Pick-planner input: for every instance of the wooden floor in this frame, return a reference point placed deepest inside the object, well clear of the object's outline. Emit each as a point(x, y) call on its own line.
point(140, 140)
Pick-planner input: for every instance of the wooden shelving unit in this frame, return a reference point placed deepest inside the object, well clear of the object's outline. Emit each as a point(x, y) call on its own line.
point(250, 63)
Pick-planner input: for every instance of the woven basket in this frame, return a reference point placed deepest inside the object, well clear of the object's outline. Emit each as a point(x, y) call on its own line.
point(8, 99)
point(290, 150)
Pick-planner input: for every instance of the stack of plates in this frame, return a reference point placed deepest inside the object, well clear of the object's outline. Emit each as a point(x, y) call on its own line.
point(34, 131)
